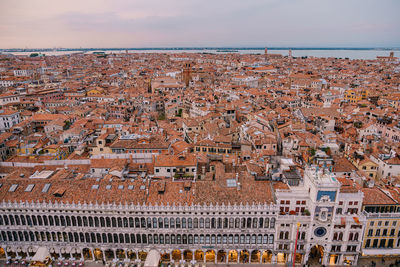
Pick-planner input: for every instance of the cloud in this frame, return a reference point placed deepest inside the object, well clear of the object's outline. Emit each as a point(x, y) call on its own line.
point(133, 23)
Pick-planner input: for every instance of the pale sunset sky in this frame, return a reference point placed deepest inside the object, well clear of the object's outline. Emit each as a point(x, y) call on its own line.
point(199, 23)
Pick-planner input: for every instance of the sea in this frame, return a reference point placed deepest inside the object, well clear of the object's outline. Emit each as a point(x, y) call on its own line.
point(351, 53)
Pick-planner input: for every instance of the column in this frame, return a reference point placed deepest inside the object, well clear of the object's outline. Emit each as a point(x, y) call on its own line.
point(238, 256)
point(82, 254)
point(182, 256)
point(114, 254)
point(273, 259)
point(104, 255)
point(170, 257)
point(193, 252)
point(60, 253)
point(227, 257)
point(204, 257)
point(126, 254)
point(261, 255)
point(92, 252)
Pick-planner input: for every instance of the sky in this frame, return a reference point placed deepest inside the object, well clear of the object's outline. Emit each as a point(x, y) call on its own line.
point(199, 23)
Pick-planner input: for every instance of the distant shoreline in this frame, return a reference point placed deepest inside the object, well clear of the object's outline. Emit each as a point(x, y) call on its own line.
point(200, 48)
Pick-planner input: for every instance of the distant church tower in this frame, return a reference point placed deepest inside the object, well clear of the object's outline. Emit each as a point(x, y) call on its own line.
point(187, 74)
point(149, 87)
point(266, 54)
point(290, 53)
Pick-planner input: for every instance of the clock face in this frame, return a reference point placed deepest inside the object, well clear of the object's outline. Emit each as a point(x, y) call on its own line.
point(320, 231)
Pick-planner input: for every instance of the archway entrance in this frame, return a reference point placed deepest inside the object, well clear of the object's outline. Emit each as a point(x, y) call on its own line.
point(165, 257)
point(76, 253)
point(255, 256)
point(109, 254)
point(120, 254)
point(142, 255)
point(267, 256)
point(176, 255)
point(53, 253)
point(210, 256)
point(131, 255)
point(244, 256)
point(316, 255)
point(199, 255)
point(2, 253)
point(232, 256)
point(98, 254)
point(87, 254)
point(188, 255)
point(221, 256)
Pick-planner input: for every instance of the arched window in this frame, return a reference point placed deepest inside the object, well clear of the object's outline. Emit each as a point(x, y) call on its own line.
point(237, 223)
point(121, 238)
point(166, 223)
point(243, 223)
point(149, 222)
point(133, 239)
point(190, 239)
point(28, 220)
point(184, 239)
point(108, 222)
point(213, 239)
point(272, 224)
point(144, 240)
point(265, 239)
point(102, 222)
point(335, 236)
point(91, 224)
point(87, 238)
point(109, 238)
point(73, 220)
point(225, 223)
point(85, 221)
point(67, 219)
point(81, 238)
point(261, 223)
point(248, 223)
point(253, 239)
point(79, 219)
point(104, 237)
point(76, 237)
point(196, 223)
point(119, 222)
point(201, 224)
point(115, 237)
point(219, 224)
point(259, 239)
point(172, 239)
point(125, 221)
point(23, 221)
point(167, 241)
point(355, 237)
point(127, 238)
point(96, 238)
point(17, 222)
point(303, 236)
point(286, 235)
point(137, 223)
point(155, 239)
point(138, 238)
point(340, 236)
point(161, 239)
point(160, 223)
point(236, 239)
point(62, 221)
point(113, 222)
point(131, 222)
point(208, 222)
point(184, 223)
point(231, 223)
point(172, 222)
point(350, 236)
point(213, 223)
point(242, 239)
point(178, 223)
point(143, 222)
point(12, 222)
point(271, 239)
point(34, 221)
point(190, 225)
point(154, 222)
point(254, 222)
point(96, 222)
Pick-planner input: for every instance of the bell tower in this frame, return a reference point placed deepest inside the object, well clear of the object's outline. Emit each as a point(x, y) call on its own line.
point(187, 74)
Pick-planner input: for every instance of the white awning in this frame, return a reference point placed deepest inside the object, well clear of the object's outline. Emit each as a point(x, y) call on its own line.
point(41, 254)
point(153, 258)
point(380, 251)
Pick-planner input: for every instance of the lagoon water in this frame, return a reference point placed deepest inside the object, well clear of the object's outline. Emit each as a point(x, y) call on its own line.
point(309, 52)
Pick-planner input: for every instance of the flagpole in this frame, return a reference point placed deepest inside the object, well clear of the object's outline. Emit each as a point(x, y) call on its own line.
point(295, 245)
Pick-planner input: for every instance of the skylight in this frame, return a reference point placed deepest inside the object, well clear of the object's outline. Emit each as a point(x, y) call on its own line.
point(46, 188)
point(13, 188)
point(29, 188)
point(231, 183)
